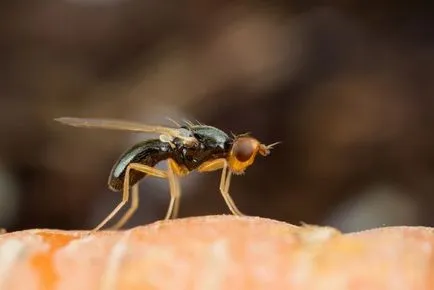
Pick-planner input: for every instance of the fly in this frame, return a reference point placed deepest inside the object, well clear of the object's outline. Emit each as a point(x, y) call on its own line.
point(186, 148)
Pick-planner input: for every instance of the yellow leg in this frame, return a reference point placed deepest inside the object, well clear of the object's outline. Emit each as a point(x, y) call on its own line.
point(131, 210)
point(212, 165)
point(125, 193)
point(224, 190)
point(175, 190)
point(224, 182)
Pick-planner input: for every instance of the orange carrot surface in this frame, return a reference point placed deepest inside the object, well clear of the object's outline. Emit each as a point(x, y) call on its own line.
point(218, 252)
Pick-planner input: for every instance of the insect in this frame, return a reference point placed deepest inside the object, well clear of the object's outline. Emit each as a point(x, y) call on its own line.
point(186, 148)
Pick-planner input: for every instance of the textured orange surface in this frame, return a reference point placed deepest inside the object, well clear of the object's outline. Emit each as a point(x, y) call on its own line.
point(219, 252)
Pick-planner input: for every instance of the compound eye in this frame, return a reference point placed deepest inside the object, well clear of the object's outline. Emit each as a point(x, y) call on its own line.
point(243, 149)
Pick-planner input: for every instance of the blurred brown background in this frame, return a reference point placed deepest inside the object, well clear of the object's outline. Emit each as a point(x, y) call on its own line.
point(347, 86)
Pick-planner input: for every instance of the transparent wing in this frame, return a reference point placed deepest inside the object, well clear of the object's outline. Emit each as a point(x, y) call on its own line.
point(113, 124)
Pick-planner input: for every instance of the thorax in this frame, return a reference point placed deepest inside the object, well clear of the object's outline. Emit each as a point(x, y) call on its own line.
point(213, 144)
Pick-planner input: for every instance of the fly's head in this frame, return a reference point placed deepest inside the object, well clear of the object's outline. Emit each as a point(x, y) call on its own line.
point(244, 151)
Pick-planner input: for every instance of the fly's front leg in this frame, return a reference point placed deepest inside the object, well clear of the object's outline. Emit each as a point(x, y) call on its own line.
point(126, 193)
point(224, 182)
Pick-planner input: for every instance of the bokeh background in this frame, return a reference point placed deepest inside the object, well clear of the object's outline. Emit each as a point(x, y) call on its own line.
point(347, 86)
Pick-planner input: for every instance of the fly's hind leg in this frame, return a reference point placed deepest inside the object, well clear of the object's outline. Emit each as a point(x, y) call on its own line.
point(126, 192)
point(171, 175)
point(131, 210)
point(224, 182)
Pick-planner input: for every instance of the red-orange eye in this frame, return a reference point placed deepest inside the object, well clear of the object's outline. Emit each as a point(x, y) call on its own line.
point(243, 149)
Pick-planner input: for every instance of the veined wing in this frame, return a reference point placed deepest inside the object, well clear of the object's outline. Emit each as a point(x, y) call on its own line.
point(115, 124)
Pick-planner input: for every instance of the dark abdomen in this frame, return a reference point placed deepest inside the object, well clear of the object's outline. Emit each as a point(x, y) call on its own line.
point(148, 153)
